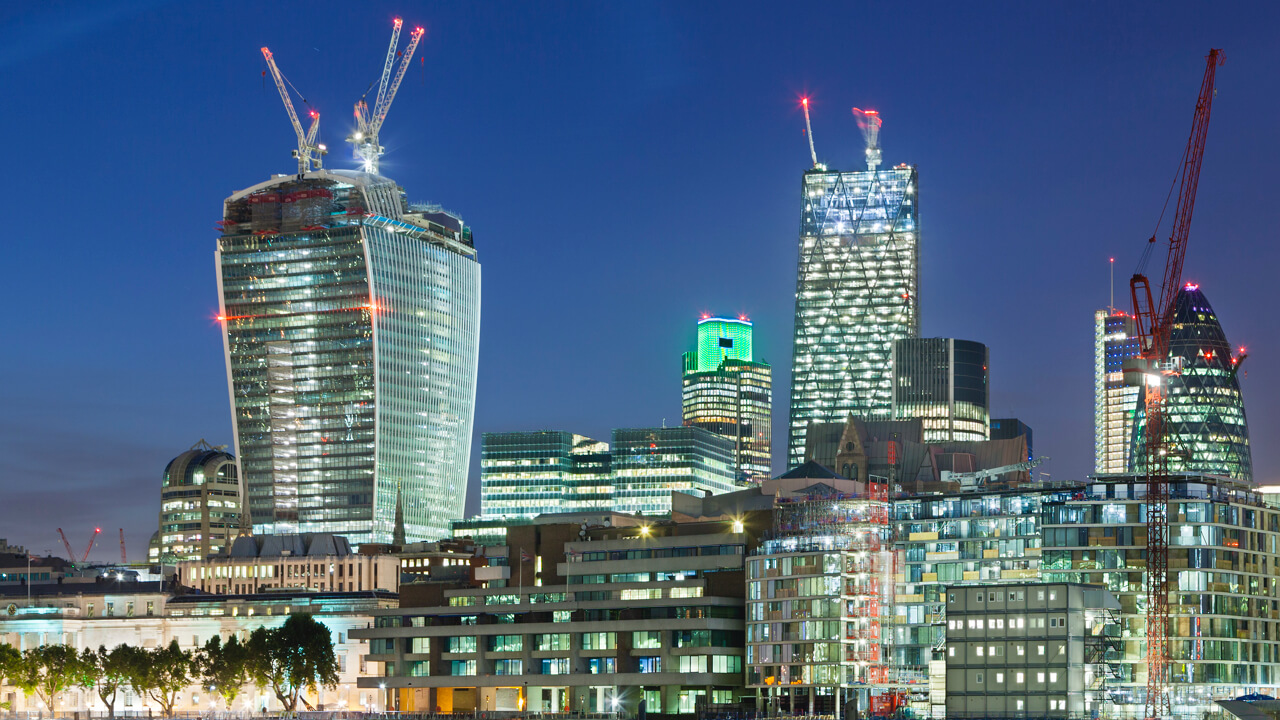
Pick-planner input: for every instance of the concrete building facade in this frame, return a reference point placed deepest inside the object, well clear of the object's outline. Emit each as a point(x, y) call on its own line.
point(1029, 650)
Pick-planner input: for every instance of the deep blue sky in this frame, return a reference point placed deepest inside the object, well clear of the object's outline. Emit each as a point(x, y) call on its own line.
point(625, 168)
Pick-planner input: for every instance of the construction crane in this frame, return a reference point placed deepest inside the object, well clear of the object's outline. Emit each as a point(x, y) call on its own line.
point(869, 123)
point(309, 152)
point(970, 481)
point(71, 554)
point(368, 123)
point(124, 559)
point(1152, 370)
point(96, 532)
point(808, 129)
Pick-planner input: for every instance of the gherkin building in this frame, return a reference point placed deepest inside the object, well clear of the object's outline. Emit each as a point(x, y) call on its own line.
point(1207, 428)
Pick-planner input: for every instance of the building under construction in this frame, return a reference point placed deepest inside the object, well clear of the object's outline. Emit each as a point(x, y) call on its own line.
point(820, 594)
point(351, 332)
point(856, 288)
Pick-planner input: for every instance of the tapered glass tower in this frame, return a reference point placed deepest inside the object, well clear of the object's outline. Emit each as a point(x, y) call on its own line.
point(1207, 428)
point(856, 292)
point(351, 330)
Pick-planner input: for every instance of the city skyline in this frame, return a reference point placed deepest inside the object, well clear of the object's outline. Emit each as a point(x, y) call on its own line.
point(100, 384)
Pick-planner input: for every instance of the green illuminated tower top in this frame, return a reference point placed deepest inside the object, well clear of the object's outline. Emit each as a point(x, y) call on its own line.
point(719, 339)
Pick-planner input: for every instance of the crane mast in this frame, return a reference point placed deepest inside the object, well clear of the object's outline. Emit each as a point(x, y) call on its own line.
point(364, 140)
point(309, 153)
point(96, 532)
point(1154, 320)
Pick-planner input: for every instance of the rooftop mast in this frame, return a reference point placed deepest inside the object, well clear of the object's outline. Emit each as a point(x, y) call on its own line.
point(365, 139)
point(869, 123)
point(308, 152)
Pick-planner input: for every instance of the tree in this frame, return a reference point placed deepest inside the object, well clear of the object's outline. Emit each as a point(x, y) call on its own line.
point(295, 657)
point(9, 661)
point(161, 673)
point(106, 671)
point(224, 667)
point(46, 671)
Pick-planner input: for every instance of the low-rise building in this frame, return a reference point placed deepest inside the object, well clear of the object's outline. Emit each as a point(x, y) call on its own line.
point(581, 617)
point(307, 561)
point(1029, 650)
point(149, 615)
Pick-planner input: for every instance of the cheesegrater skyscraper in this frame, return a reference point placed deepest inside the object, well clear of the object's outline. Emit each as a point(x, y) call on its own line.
point(351, 330)
point(856, 290)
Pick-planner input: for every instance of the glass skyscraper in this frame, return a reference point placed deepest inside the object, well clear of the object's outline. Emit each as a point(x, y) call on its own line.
point(351, 330)
point(1114, 402)
point(1207, 428)
point(729, 393)
point(943, 381)
point(856, 293)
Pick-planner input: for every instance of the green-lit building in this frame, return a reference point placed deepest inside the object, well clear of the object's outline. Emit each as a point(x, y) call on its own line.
point(727, 391)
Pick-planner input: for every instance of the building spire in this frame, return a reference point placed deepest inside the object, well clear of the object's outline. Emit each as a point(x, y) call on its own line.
point(397, 534)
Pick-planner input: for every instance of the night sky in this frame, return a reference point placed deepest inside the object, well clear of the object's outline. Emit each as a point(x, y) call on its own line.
point(625, 168)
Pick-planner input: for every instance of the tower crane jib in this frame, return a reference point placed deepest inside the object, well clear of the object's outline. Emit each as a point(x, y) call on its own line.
point(364, 140)
point(309, 152)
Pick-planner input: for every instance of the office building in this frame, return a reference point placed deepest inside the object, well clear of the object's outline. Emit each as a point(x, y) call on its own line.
point(1224, 543)
point(581, 617)
point(273, 563)
point(729, 393)
point(856, 291)
point(989, 539)
point(351, 337)
point(200, 504)
point(1041, 650)
point(1115, 402)
point(526, 474)
point(943, 381)
point(1207, 430)
point(1009, 428)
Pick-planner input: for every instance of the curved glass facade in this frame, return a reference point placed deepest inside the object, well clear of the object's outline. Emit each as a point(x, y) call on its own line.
point(1207, 427)
point(943, 381)
point(352, 336)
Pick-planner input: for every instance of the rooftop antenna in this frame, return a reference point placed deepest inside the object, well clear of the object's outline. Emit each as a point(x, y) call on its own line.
point(1112, 306)
point(368, 123)
point(869, 123)
point(809, 131)
point(308, 152)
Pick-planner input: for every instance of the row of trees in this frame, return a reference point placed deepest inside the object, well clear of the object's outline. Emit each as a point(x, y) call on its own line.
point(295, 658)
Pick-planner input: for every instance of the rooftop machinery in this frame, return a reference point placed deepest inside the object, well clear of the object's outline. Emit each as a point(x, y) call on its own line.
point(309, 152)
point(368, 123)
point(1152, 369)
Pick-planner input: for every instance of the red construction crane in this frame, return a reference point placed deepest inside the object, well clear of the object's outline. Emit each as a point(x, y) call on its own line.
point(71, 554)
point(1154, 321)
point(96, 532)
point(124, 559)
